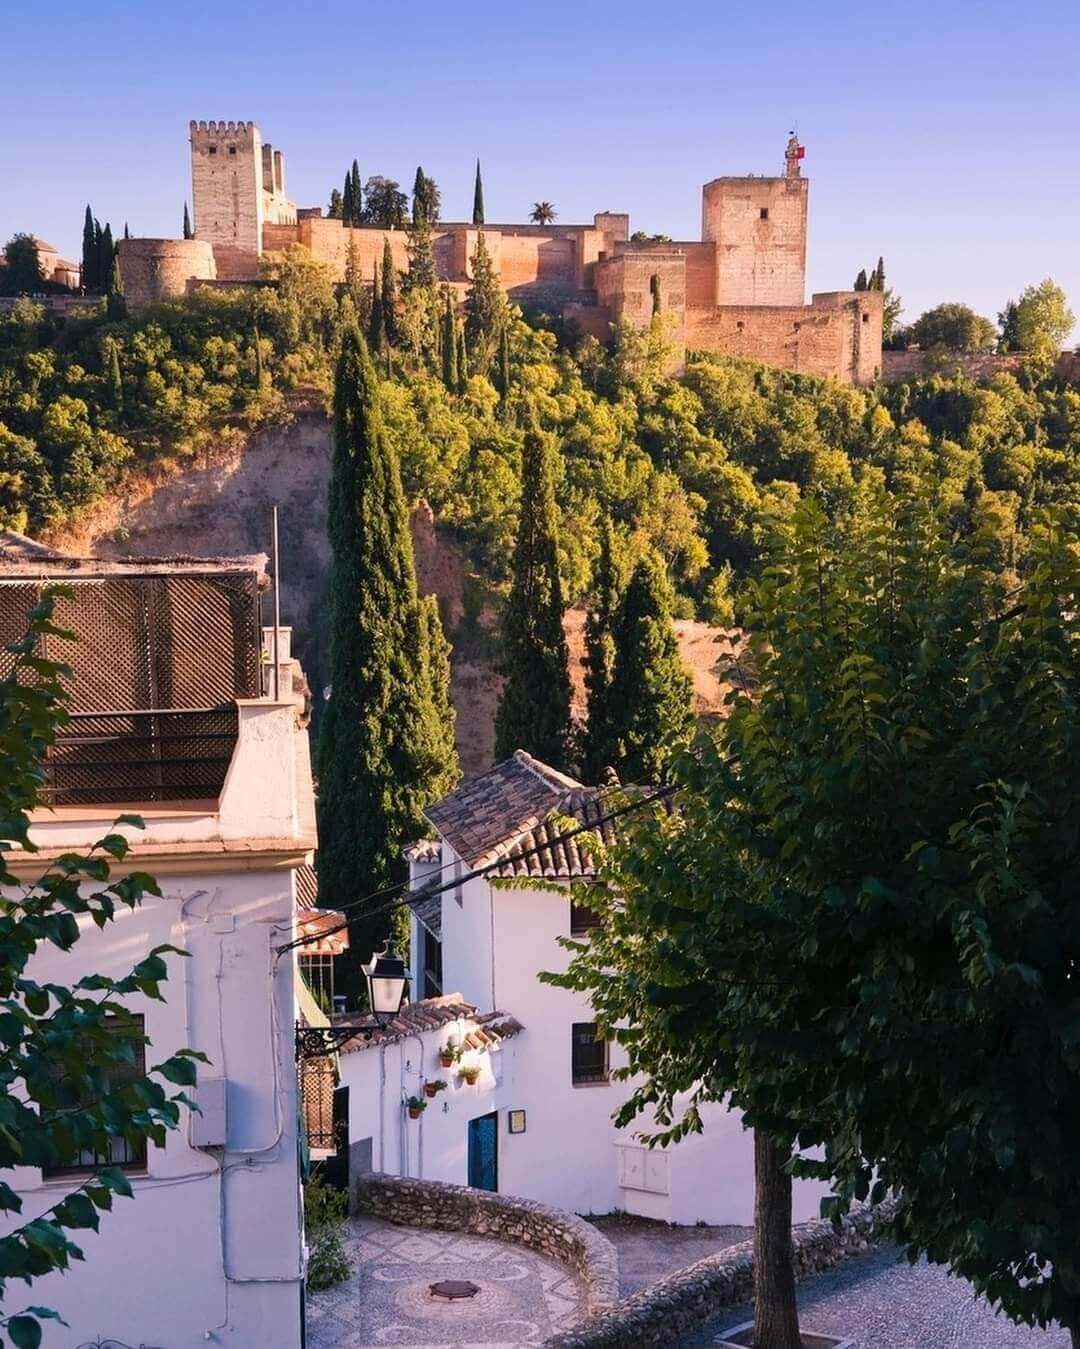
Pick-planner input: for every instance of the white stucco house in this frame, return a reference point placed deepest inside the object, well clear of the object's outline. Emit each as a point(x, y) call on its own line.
point(172, 722)
point(537, 1123)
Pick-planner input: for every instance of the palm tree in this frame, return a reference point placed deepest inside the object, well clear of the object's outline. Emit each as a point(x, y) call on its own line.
point(542, 213)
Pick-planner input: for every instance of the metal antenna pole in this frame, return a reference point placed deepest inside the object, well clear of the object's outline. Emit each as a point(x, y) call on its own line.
point(277, 608)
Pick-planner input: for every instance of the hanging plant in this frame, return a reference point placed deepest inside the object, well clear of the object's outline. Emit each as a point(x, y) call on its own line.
point(432, 1088)
point(416, 1106)
point(469, 1074)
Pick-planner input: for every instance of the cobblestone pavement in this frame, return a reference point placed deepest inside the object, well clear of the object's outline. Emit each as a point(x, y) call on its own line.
point(523, 1297)
point(650, 1250)
point(880, 1304)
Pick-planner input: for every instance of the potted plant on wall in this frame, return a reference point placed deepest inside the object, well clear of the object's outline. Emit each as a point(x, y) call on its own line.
point(416, 1106)
point(432, 1088)
point(469, 1072)
point(450, 1052)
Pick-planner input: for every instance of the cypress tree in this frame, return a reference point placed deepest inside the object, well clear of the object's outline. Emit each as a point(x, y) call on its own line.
point(188, 233)
point(115, 306)
point(114, 380)
point(654, 291)
point(106, 254)
point(256, 340)
point(485, 307)
point(89, 252)
point(127, 232)
point(333, 211)
point(462, 358)
point(419, 197)
point(478, 198)
point(877, 281)
point(650, 694)
point(534, 710)
point(449, 346)
point(357, 195)
point(375, 755)
point(600, 746)
point(431, 654)
point(861, 281)
point(376, 327)
point(348, 210)
point(421, 273)
point(504, 364)
point(389, 293)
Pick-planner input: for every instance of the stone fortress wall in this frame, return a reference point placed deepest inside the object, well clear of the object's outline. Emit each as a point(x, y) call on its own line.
point(164, 269)
point(739, 290)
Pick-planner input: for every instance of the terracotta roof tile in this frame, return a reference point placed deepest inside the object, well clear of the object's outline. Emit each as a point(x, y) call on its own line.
point(506, 801)
point(432, 1013)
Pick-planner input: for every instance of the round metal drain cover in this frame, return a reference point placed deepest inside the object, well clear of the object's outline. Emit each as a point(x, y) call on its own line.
point(454, 1290)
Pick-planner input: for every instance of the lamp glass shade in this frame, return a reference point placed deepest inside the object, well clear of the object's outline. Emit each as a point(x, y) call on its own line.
point(386, 985)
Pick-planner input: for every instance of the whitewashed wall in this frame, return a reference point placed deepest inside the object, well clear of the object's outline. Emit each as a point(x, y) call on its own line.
point(495, 944)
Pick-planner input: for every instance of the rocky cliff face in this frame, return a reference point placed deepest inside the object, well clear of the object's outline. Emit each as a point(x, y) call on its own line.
point(221, 506)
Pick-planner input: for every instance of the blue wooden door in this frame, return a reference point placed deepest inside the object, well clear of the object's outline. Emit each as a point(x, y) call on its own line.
point(484, 1152)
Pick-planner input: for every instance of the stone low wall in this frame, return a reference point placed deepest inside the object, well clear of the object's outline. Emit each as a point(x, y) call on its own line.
point(457, 1208)
point(980, 366)
point(693, 1296)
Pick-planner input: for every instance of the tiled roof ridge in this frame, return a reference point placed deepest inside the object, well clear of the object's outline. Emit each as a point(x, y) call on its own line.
point(433, 1014)
point(545, 772)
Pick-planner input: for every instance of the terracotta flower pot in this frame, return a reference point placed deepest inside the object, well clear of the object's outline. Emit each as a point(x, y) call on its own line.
point(430, 1090)
point(471, 1076)
point(446, 1060)
point(415, 1111)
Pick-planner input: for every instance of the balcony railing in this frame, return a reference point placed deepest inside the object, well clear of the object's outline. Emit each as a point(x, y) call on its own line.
point(174, 754)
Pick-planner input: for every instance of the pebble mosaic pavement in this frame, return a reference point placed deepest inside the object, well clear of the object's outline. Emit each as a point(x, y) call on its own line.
point(524, 1297)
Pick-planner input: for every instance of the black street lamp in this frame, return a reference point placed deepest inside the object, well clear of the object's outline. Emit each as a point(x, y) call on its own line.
point(386, 985)
point(387, 982)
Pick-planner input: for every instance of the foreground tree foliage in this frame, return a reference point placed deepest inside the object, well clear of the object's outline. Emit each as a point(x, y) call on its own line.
point(860, 926)
point(384, 751)
point(63, 1049)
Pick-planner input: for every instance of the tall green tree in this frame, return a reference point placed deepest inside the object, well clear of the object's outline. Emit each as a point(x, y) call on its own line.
point(1043, 321)
point(534, 709)
point(650, 696)
point(89, 251)
point(421, 271)
point(440, 769)
point(462, 357)
point(861, 282)
point(22, 272)
point(376, 326)
point(449, 344)
point(356, 195)
point(114, 378)
point(600, 749)
point(856, 927)
point(485, 307)
point(390, 297)
point(188, 232)
point(384, 203)
point(427, 200)
point(115, 305)
point(335, 210)
point(654, 291)
point(67, 1052)
point(348, 200)
point(375, 755)
point(478, 198)
point(106, 258)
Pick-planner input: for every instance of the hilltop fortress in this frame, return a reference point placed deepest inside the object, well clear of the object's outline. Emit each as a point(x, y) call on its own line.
point(740, 290)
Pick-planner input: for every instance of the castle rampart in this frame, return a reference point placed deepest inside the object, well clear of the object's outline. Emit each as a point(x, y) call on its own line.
point(740, 289)
point(163, 269)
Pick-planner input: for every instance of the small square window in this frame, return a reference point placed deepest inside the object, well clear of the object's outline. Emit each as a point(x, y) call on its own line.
point(582, 920)
point(232, 149)
point(764, 213)
point(797, 325)
point(211, 150)
point(589, 1055)
point(739, 325)
point(866, 318)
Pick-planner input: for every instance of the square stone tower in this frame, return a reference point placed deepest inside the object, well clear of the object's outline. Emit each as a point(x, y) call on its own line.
point(227, 192)
point(758, 227)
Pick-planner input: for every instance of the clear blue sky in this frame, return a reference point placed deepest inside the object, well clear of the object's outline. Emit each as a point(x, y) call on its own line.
point(944, 135)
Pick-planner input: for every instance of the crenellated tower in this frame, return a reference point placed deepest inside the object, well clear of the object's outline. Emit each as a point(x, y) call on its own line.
point(238, 185)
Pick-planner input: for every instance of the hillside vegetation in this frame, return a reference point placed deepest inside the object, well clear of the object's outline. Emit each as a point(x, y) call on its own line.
point(695, 468)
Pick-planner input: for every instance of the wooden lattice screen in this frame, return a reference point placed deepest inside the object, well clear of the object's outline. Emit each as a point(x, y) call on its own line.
point(157, 663)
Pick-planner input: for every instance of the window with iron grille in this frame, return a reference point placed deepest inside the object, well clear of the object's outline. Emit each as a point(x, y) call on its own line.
point(582, 919)
point(432, 964)
point(129, 1156)
point(589, 1055)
